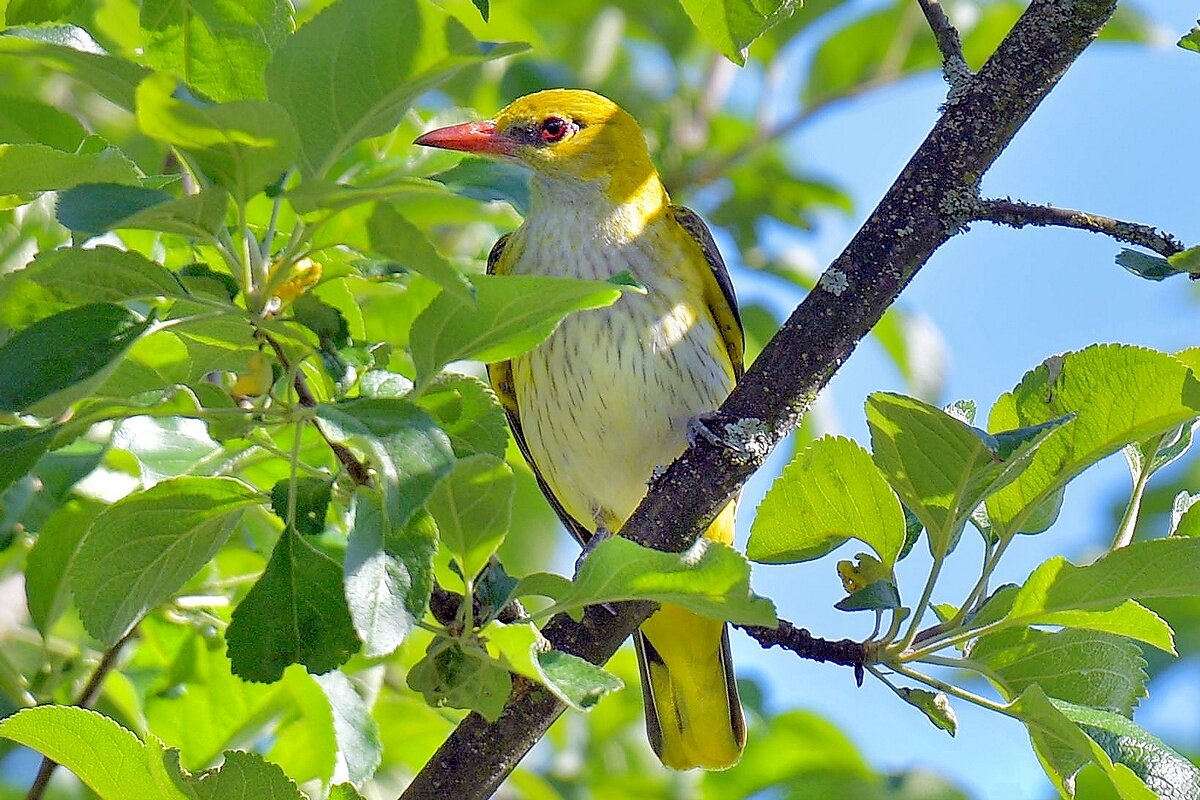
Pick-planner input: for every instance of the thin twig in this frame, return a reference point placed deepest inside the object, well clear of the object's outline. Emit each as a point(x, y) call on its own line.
point(846, 652)
point(954, 63)
point(85, 700)
point(1016, 214)
point(357, 469)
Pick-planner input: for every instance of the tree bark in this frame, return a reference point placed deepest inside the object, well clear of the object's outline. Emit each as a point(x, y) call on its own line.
point(934, 197)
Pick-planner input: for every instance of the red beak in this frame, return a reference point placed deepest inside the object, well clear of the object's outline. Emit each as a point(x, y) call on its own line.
point(470, 137)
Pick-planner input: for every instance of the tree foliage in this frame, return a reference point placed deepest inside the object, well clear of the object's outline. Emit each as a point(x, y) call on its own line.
point(259, 498)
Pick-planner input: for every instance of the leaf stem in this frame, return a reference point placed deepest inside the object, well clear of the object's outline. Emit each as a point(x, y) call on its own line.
point(1129, 519)
point(954, 691)
point(923, 603)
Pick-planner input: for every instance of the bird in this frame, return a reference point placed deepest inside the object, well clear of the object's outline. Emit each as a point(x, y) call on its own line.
point(614, 393)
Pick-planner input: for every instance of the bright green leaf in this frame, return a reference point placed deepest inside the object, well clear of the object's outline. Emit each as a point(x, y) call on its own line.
point(243, 775)
point(397, 239)
point(112, 77)
point(731, 25)
point(941, 467)
point(220, 47)
point(935, 705)
point(578, 683)
point(1119, 394)
point(47, 566)
point(28, 168)
point(468, 411)
point(30, 122)
point(458, 678)
point(104, 755)
point(511, 314)
point(472, 505)
point(143, 548)
point(830, 492)
point(340, 89)
point(1088, 668)
point(1191, 39)
point(295, 614)
point(63, 350)
point(243, 146)
point(709, 579)
point(389, 573)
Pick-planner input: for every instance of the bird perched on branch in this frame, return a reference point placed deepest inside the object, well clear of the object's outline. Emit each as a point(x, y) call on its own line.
point(613, 393)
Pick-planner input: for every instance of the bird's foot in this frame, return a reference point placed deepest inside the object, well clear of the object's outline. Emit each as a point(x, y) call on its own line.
point(747, 438)
point(602, 533)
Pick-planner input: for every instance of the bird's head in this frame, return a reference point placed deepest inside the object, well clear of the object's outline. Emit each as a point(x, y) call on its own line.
point(563, 134)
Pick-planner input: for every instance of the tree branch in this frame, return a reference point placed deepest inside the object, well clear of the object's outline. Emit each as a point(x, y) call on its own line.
point(954, 63)
point(845, 652)
point(1018, 215)
point(85, 700)
point(930, 201)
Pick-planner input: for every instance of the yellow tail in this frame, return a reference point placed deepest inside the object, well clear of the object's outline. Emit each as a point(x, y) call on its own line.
point(693, 714)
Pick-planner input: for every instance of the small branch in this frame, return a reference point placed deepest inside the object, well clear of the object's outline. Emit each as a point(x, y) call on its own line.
point(444, 605)
point(357, 469)
point(846, 652)
point(954, 63)
point(1019, 215)
point(85, 700)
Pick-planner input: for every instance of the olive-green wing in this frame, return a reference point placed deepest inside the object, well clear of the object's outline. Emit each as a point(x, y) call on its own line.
point(500, 375)
point(722, 303)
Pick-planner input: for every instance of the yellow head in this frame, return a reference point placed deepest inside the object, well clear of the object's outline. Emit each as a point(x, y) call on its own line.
point(565, 134)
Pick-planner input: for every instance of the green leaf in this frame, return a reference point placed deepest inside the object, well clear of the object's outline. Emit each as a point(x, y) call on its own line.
point(1119, 394)
point(1191, 40)
point(47, 589)
point(339, 89)
point(143, 548)
point(1094, 669)
point(468, 411)
point(97, 207)
point(872, 597)
point(521, 649)
point(943, 468)
point(345, 791)
point(328, 323)
point(26, 12)
point(410, 453)
point(935, 705)
point(830, 492)
point(450, 676)
point(472, 505)
point(104, 755)
point(243, 775)
point(220, 47)
point(1165, 772)
point(731, 25)
point(30, 122)
point(487, 180)
point(484, 8)
point(63, 350)
point(511, 314)
point(20, 449)
point(359, 750)
point(397, 239)
point(243, 146)
point(1064, 749)
point(112, 77)
point(295, 614)
point(1184, 520)
point(1057, 589)
point(389, 573)
point(311, 504)
point(710, 579)
point(1153, 268)
point(27, 168)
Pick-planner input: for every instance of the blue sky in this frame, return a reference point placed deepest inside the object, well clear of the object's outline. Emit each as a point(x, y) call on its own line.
point(1117, 137)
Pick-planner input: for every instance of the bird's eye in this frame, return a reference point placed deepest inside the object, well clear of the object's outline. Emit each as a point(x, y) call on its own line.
point(553, 129)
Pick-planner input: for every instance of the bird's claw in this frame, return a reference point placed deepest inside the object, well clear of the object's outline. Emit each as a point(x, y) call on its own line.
point(700, 427)
point(602, 533)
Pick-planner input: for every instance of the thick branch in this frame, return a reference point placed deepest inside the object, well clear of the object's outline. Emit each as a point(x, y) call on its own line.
point(931, 200)
point(1019, 215)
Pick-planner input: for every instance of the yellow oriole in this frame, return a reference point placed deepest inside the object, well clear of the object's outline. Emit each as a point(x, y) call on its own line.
point(610, 395)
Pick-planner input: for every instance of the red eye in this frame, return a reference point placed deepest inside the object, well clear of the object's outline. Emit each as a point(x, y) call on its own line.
point(553, 129)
